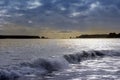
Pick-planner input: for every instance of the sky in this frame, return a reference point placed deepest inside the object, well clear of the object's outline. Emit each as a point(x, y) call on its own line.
point(59, 18)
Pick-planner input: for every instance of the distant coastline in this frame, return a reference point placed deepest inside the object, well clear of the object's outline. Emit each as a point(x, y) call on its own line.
point(110, 35)
point(19, 37)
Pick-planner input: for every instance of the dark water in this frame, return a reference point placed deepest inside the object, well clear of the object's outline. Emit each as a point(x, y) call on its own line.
point(60, 59)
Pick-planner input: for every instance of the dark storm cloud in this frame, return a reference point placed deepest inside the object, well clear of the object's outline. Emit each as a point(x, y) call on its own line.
point(63, 14)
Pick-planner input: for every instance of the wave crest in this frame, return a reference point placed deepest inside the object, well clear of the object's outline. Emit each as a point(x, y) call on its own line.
point(78, 57)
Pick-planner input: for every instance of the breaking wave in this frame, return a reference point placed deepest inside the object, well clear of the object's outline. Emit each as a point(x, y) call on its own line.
point(38, 67)
point(85, 55)
point(43, 66)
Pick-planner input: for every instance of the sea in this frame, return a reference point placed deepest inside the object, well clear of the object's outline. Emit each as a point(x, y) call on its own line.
point(60, 59)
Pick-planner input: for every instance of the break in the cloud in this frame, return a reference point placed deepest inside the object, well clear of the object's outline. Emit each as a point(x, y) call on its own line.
point(62, 14)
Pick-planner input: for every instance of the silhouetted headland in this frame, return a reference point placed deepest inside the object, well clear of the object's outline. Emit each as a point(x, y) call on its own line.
point(18, 37)
point(110, 35)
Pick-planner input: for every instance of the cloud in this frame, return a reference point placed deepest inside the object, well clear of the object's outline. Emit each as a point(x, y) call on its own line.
point(3, 12)
point(75, 14)
point(1, 28)
point(34, 4)
point(94, 5)
point(62, 14)
point(65, 31)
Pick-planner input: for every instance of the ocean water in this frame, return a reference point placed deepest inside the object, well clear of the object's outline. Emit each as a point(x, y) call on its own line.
point(60, 59)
